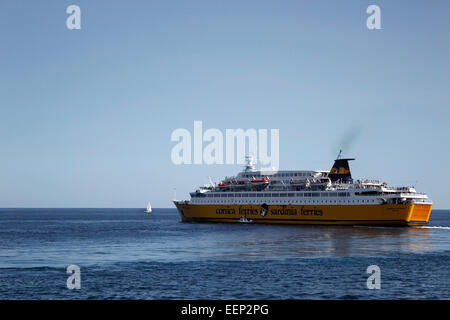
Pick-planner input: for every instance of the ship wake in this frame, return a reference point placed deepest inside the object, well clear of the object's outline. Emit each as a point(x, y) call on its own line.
point(434, 227)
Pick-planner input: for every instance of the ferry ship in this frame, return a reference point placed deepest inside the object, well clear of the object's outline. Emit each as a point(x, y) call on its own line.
point(305, 197)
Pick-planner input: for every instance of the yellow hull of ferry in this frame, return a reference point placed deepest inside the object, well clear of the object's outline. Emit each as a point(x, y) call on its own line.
point(383, 214)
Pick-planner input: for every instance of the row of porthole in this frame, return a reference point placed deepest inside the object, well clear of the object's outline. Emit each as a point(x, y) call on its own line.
point(286, 201)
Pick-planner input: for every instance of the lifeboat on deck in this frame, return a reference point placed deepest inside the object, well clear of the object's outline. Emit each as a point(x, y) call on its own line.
point(260, 180)
point(320, 183)
point(259, 184)
point(233, 185)
point(300, 183)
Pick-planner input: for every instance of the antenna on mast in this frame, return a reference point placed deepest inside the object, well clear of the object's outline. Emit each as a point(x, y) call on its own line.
point(339, 155)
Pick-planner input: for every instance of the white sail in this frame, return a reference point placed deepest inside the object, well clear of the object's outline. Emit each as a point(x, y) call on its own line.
point(149, 207)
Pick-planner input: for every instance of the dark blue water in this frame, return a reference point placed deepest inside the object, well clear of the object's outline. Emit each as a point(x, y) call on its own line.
point(126, 254)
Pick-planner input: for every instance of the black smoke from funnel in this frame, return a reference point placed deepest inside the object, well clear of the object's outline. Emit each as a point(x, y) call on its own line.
point(347, 140)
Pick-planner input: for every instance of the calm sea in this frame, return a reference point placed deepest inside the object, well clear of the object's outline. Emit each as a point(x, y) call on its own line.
point(126, 254)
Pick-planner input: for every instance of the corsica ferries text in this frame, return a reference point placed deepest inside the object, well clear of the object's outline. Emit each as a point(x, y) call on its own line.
point(264, 210)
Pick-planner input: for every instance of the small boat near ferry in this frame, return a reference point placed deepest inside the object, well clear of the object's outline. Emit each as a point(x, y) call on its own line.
point(244, 220)
point(306, 197)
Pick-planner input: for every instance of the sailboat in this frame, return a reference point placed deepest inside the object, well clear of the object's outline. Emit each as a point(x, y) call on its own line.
point(149, 208)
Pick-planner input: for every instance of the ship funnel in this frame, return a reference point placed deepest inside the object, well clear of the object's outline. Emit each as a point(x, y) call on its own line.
point(340, 170)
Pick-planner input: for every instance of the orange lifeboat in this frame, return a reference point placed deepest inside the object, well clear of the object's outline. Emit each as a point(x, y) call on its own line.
point(260, 180)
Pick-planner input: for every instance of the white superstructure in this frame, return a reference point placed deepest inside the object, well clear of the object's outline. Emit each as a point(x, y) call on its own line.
point(302, 187)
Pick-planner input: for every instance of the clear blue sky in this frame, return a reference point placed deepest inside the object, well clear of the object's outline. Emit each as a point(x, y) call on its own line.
point(86, 115)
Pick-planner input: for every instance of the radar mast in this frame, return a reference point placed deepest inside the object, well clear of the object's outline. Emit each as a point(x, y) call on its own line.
point(250, 164)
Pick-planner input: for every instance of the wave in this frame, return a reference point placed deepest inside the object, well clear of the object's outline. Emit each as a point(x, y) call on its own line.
point(435, 227)
point(30, 268)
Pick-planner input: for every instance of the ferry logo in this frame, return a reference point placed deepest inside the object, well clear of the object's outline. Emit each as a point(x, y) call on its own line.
point(225, 211)
point(264, 209)
point(284, 211)
point(340, 170)
point(244, 211)
point(311, 212)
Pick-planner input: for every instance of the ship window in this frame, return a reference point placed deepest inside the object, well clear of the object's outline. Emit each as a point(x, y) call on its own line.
point(223, 195)
point(230, 195)
point(324, 194)
point(315, 194)
point(275, 194)
point(283, 194)
point(300, 194)
point(291, 194)
point(238, 195)
point(260, 195)
point(307, 194)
